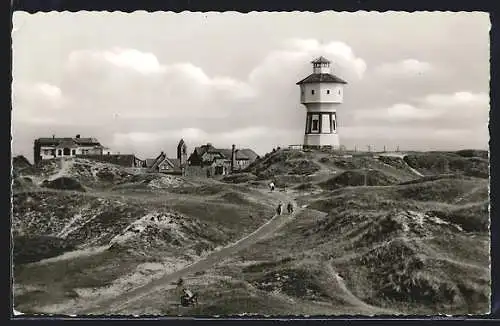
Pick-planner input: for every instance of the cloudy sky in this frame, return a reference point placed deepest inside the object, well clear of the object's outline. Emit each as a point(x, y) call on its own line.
point(141, 81)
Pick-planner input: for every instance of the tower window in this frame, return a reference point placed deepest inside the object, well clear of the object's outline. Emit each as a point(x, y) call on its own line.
point(327, 91)
point(315, 125)
point(312, 91)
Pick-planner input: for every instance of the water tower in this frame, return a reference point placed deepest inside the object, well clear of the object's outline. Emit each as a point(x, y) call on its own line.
point(321, 93)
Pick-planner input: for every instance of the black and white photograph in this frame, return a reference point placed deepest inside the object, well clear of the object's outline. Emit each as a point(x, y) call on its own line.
point(250, 164)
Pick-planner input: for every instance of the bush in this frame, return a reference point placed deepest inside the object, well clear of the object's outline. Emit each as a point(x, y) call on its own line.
point(239, 178)
point(63, 183)
point(358, 178)
point(471, 218)
point(29, 249)
point(472, 153)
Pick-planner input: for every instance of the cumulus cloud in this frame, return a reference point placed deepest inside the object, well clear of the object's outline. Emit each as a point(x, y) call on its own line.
point(463, 108)
point(37, 103)
point(285, 62)
point(398, 112)
point(404, 68)
point(480, 100)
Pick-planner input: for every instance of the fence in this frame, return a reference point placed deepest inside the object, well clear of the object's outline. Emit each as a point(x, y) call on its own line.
point(354, 149)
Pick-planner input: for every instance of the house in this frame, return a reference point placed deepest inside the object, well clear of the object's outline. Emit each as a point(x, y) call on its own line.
point(163, 164)
point(244, 157)
point(49, 148)
point(221, 161)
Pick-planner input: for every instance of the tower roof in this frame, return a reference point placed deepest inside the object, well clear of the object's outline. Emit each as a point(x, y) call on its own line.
point(322, 78)
point(321, 60)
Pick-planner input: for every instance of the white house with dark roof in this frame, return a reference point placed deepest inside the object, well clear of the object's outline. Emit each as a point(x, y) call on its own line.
point(321, 93)
point(58, 147)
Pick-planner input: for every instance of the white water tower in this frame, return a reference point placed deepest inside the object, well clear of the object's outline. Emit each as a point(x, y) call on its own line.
point(321, 93)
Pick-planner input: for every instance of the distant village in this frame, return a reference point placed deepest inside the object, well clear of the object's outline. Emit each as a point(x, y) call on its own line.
point(205, 160)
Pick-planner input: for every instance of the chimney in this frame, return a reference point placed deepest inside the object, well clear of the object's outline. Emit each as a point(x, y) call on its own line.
point(78, 136)
point(53, 136)
point(233, 157)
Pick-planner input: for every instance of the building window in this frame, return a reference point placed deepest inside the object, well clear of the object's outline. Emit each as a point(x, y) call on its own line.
point(315, 126)
point(334, 125)
point(312, 91)
point(325, 123)
point(73, 152)
point(66, 151)
point(327, 91)
point(339, 91)
point(59, 152)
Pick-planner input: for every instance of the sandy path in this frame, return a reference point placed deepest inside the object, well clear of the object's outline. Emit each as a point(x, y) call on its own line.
point(126, 299)
point(66, 165)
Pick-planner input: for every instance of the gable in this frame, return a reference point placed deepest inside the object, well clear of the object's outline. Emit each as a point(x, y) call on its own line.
point(164, 163)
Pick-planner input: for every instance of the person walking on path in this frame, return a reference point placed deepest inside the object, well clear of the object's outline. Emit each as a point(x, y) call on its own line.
point(290, 208)
point(271, 186)
point(279, 210)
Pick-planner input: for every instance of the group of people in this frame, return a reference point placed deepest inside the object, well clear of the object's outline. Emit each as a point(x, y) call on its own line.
point(279, 209)
point(289, 208)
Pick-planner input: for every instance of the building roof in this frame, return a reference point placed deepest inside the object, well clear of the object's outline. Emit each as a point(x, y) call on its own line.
point(150, 162)
point(67, 144)
point(321, 60)
point(227, 153)
point(175, 162)
point(322, 78)
point(53, 141)
point(240, 155)
point(200, 150)
point(162, 158)
point(252, 156)
point(159, 159)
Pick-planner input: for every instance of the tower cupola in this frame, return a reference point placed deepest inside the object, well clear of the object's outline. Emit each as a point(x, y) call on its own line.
point(321, 65)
